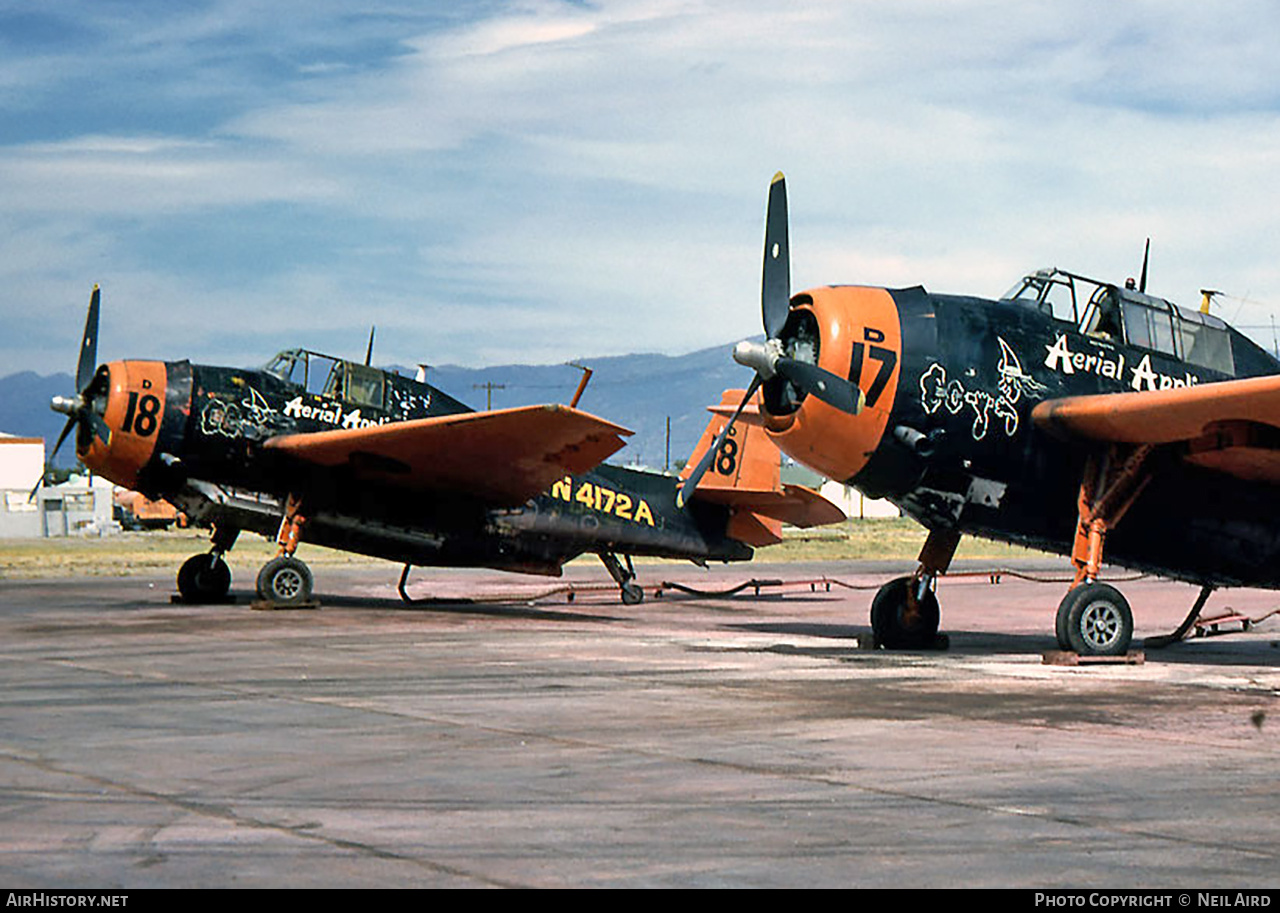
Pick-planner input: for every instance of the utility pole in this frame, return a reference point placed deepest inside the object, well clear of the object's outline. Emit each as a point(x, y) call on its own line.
point(667, 466)
point(488, 393)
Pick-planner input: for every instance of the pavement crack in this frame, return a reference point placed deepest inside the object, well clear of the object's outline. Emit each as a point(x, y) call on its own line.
point(307, 831)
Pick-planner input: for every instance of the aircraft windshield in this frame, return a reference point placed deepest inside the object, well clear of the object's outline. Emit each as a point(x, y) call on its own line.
point(320, 374)
point(324, 375)
point(287, 364)
point(1054, 293)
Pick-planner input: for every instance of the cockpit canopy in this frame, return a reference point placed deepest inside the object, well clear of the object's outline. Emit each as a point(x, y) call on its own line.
point(1127, 316)
point(325, 375)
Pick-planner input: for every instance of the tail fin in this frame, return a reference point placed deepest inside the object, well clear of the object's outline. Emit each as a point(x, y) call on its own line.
point(746, 477)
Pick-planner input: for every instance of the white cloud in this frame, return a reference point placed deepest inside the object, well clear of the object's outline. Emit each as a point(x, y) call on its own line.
point(543, 167)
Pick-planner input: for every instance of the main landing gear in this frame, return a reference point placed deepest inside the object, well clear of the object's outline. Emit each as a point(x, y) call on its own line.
point(904, 613)
point(206, 578)
point(1094, 619)
point(286, 580)
point(632, 592)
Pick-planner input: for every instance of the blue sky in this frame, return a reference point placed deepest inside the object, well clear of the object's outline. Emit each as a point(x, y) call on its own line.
point(494, 182)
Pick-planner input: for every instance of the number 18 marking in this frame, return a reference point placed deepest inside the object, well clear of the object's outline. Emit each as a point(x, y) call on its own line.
point(141, 415)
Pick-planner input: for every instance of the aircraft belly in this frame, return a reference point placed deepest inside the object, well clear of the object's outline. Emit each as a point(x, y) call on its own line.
point(1194, 524)
point(587, 529)
point(1188, 524)
point(461, 543)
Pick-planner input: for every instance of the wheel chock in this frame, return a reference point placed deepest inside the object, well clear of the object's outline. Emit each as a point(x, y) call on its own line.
point(1068, 658)
point(266, 605)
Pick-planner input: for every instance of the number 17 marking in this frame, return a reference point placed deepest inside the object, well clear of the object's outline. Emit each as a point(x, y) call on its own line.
point(887, 358)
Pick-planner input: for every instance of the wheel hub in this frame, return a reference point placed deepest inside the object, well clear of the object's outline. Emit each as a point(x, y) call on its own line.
point(1100, 625)
point(287, 583)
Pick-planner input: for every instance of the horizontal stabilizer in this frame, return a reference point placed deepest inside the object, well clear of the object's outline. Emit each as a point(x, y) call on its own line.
point(794, 505)
point(754, 530)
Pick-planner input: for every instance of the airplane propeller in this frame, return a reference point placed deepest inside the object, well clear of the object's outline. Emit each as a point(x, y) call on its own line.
point(769, 359)
point(79, 408)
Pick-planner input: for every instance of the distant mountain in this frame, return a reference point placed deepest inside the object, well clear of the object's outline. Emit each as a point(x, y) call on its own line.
point(637, 391)
point(25, 412)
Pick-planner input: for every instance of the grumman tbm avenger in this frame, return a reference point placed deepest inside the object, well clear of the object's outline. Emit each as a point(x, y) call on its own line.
point(1071, 415)
point(342, 454)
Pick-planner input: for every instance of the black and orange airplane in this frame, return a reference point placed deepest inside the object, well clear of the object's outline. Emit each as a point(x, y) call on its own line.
point(1071, 415)
point(349, 456)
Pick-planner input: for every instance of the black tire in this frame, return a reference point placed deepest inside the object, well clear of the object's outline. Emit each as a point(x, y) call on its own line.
point(889, 624)
point(1060, 622)
point(285, 581)
point(632, 594)
point(204, 578)
point(1097, 620)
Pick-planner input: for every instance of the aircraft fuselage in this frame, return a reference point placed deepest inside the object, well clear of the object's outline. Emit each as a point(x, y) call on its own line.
point(950, 439)
point(195, 435)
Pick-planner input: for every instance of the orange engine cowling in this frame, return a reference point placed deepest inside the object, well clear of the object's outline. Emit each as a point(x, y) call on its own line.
point(129, 396)
point(860, 337)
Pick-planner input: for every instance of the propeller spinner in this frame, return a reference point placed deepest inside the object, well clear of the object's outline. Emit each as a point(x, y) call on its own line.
point(770, 359)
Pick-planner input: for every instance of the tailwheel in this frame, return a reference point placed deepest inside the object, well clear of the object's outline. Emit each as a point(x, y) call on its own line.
point(204, 578)
point(1095, 620)
point(632, 593)
point(285, 581)
point(900, 620)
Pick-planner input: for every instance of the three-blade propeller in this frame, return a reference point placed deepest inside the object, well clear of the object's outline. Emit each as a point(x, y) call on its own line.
point(79, 408)
point(769, 359)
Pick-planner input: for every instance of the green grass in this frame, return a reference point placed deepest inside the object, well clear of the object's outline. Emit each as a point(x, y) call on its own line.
point(129, 553)
point(876, 539)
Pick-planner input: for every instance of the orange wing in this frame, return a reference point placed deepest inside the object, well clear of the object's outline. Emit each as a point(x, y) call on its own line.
point(1232, 426)
point(502, 457)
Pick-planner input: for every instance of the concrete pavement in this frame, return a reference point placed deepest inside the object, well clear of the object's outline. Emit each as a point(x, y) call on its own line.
point(745, 742)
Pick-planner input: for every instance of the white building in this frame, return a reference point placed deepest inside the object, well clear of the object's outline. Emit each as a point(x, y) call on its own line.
point(80, 506)
point(855, 504)
point(21, 465)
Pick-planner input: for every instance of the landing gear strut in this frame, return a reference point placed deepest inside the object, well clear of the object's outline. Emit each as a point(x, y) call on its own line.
point(285, 580)
point(206, 578)
point(632, 593)
point(1093, 618)
point(905, 613)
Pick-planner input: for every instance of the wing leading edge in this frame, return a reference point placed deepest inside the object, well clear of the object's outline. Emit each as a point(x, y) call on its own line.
point(502, 457)
point(1231, 426)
